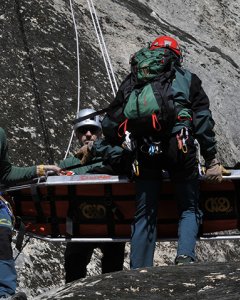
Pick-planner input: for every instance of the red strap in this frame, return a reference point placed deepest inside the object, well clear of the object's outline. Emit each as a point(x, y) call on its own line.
point(122, 126)
point(184, 118)
point(156, 124)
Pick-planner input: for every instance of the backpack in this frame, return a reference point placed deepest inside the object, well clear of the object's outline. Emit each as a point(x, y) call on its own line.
point(148, 105)
point(148, 64)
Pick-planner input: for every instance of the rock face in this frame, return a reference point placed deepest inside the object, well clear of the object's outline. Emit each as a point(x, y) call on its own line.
point(39, 86)
point(199, 281)
point(39, 64)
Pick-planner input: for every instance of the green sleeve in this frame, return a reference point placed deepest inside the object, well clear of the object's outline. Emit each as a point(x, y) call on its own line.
point(115, 156)
point(10, 174)
point(79, 170)
point(203, 129)
point(111, 154)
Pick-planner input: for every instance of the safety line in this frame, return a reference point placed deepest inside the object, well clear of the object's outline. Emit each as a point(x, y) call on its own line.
point(36, 92)
point(105, 55)
point(78, 75)
point(102, 45)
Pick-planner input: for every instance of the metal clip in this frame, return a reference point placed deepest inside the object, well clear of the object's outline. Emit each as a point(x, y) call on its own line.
point(135, 167)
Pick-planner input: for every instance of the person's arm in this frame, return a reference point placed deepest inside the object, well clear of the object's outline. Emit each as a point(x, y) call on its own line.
point(118, 158)
point(203, 125)
point(203, 122)
point(10, 174)
point(91, 166)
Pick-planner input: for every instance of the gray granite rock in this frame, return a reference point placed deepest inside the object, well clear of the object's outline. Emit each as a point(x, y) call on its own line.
point(198, 281)
point(39, 88)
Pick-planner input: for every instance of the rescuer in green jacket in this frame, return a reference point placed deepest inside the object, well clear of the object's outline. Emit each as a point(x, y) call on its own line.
point(9, 175)
point(78, 255)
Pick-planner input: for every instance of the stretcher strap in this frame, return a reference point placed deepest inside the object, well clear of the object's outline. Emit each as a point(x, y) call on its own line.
point(54, 218)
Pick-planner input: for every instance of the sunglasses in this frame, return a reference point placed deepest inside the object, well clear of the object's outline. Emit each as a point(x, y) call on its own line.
point(85, 129)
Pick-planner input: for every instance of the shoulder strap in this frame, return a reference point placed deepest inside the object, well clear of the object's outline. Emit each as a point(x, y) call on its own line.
point(99, 112)
point(162, 90)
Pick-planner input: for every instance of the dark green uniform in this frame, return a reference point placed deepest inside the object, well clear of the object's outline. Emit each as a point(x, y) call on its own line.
point(194, 121)
point(10, 174)
point(79, 170)
point(78, 255)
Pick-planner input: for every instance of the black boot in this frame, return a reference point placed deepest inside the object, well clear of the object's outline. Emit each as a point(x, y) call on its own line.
point(19, 296)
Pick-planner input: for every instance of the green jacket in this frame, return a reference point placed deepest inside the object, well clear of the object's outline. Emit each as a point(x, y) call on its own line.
point(190, 100)
point(79, 170)
point(10, 174)
point(107, 159)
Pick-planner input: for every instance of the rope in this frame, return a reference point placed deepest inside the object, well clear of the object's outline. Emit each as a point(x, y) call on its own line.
point(69, 145)
point(38, 100)
point(78, 72)
point(106, 58)
point(78, 61)
point(19, 252)
point(103, 47)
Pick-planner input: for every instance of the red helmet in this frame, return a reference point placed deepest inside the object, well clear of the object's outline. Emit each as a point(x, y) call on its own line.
point(166, 42)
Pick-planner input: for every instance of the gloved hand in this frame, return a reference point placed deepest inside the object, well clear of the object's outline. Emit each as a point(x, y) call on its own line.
point(215, 171)
point(42, 170)
point(84, 154)
point(225, 172)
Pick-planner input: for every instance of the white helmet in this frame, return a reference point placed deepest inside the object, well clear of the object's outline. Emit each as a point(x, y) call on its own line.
point(94, 121)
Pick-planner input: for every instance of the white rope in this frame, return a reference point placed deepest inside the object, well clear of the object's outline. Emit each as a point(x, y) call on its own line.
point(78, 60)
point(78, 76)
point(103, 47)
point(106, 58)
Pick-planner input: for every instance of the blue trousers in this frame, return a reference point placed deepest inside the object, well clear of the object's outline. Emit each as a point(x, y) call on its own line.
point(182, 168)
point(144, 228)
point(8, 276)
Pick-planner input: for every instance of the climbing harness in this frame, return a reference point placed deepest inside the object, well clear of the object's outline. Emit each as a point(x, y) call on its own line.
point(151, 147)
point(5, 205)
point(15, 224)
point(182, 138)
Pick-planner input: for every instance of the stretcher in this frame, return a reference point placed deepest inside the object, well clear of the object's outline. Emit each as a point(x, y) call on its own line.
point(101, 208)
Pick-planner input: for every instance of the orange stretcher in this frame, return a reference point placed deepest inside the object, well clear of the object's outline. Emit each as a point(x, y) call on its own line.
point(101, 207)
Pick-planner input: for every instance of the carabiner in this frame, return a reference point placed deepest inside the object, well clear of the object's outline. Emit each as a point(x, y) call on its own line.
point(184, 148)
point(135, 167)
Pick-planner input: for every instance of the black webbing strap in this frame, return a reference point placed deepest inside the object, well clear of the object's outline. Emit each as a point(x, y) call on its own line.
point(72, 221)
point(99, 112)
point(108, 199)
point(53, 210)
point(237, 192)
point(36, 196)
point(20, 227)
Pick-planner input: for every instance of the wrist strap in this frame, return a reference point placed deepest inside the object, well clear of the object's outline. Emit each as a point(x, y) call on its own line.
point(40, 170)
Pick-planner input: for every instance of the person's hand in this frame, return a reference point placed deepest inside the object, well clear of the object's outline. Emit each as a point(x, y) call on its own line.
point(42, 170)
point(215, 171)
point(84, 153)
point(225, 172)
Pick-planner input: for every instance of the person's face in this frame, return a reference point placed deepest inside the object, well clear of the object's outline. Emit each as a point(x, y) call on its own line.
point(88, 133)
